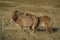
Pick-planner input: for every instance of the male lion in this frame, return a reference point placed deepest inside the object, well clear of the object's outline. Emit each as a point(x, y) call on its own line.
point(25, 20)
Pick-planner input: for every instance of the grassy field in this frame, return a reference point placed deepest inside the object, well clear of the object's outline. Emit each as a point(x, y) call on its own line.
point(10, 31)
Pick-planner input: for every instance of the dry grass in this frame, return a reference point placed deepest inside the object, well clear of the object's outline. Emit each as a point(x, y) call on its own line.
point(10, 31)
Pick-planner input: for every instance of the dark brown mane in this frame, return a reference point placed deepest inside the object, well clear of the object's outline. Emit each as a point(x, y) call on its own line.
point(14, 16)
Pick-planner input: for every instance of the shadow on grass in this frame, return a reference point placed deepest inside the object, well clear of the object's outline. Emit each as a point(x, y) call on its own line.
point(53, 30)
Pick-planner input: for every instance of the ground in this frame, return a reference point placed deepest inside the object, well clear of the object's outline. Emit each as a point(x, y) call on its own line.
point(10, 31)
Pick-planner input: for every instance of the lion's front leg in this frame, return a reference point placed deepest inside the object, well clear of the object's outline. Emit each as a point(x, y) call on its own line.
point(35, 21)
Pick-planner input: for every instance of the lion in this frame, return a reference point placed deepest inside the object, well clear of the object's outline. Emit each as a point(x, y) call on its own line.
point(25, 20)
point(31, 21)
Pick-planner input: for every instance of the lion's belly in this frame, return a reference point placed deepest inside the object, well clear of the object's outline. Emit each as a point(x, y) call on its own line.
point(27, 21)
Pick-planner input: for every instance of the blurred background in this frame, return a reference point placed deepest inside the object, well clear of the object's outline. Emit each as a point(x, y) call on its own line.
point(9, 31)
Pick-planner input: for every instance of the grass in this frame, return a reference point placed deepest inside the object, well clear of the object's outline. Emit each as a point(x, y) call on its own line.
point(36, 2)
point(5, 5)
point(10, 31)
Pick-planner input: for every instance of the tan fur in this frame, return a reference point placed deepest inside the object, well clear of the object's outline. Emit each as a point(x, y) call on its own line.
point(45, 21)
point(26, 20)
point(29, 20)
